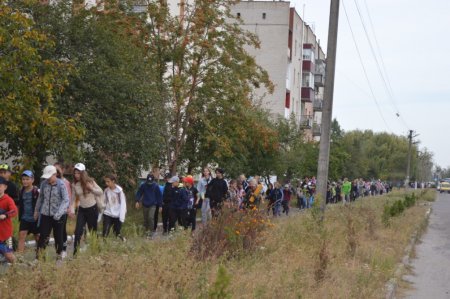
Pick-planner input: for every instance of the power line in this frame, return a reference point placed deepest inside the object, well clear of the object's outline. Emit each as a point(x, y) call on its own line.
point(382, 63)
point(385, 79)
point(364, 68)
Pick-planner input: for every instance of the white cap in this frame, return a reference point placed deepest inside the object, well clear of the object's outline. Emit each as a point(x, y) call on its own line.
point(80, 167)
point(174, 179)
point(48, 171)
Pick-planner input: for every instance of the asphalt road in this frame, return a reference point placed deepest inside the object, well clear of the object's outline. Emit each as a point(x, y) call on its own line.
point(431, 268)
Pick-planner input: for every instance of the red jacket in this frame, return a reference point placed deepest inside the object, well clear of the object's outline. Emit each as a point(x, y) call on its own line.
point(8, 208)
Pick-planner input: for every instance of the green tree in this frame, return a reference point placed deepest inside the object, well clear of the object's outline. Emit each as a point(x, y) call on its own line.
point(31, 128)
point(205, 81)
point(112, 88)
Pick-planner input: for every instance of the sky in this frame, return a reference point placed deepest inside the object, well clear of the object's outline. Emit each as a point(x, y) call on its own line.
point(412, 37)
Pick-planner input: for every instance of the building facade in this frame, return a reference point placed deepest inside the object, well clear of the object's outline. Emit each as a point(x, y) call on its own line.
point(290, 52)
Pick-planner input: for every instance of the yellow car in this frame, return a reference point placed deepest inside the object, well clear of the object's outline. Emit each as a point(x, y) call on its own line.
point(445, 187)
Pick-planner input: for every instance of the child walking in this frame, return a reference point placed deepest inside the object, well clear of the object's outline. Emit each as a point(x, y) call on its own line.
point(7, 210)
point(115, 207)
point(28, 197)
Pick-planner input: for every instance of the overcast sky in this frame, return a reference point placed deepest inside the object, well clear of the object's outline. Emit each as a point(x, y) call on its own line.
point(413, 39)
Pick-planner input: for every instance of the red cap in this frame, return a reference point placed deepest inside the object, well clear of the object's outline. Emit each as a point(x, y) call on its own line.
point(189, 179)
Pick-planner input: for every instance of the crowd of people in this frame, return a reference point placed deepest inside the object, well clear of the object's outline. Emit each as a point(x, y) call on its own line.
point(45, 210)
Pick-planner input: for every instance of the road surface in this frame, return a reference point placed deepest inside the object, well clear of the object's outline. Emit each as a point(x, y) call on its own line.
point(431, 268)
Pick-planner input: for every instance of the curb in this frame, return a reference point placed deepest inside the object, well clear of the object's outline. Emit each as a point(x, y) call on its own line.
point(392, 284)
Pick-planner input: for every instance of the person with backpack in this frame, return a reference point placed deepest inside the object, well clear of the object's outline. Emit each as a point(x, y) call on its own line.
point(28, 197)
point(115, 207)
point(150, 197)
point(51, 205)
point(90, 197)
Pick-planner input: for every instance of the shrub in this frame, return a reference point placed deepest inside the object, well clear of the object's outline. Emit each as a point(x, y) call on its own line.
point(219, 288)
point(386, 216)
point(233, 232)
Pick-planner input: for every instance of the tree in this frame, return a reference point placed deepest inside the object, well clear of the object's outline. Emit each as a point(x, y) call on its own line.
point(205, 81)
point(112, 88)
point(31, 128)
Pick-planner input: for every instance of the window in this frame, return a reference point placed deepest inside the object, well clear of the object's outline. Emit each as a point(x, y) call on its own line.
point(264, 16)
point(238, 15)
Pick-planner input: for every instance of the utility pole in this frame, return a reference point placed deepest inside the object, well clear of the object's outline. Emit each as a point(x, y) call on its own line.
point(410, 137)
point(327, 113)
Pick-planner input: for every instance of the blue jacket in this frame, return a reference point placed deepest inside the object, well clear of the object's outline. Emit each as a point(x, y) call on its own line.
point(149, 194)
point(180, 199)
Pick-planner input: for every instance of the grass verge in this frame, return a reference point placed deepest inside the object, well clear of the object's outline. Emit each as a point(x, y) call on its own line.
point(351, 255)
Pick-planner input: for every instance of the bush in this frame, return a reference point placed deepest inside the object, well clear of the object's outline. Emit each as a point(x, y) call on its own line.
point(231, 233)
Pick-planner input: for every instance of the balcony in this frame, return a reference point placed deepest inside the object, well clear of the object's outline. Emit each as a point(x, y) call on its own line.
point(307, 94)
point(308, 66)
point(318, 105)
point(317, 129)
point(319, 80)
point(306, 122)
point(319, 75)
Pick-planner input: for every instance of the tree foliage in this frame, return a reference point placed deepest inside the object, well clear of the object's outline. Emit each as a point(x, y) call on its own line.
point(205, 81)
point(31, 128)
point(112, 88)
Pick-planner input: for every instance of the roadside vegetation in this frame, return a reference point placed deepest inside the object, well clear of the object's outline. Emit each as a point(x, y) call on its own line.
point(352, 254)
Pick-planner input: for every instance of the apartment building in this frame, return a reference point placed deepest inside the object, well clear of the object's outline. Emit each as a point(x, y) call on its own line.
point(291, 54)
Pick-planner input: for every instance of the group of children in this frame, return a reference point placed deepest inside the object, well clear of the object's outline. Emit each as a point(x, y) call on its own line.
point(45, 210)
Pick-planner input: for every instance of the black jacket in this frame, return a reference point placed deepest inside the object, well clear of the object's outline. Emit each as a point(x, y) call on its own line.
point(216, 190)
point(167, 194)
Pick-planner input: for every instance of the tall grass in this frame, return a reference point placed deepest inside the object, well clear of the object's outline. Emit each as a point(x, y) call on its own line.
point(296, 259)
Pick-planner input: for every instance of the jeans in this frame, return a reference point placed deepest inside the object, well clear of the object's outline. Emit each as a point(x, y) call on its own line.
point(46, 226)
point(85, 215)
point(149, 218)
point(109, 221)
point(206, 211)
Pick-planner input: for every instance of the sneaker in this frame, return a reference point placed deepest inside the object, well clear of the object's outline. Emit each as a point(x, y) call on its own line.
point(63, 255)
point(122, 238)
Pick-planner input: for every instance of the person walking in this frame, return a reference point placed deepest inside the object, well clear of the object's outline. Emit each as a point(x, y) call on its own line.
point(201, 187)
point(71, 214)
point(28, 196)
point(51, 205)
point(216, 191)
point(150, 197)
point(11, 190)
point(115, 207)
point(89, 194)
point(8, 210)
point(346, 189)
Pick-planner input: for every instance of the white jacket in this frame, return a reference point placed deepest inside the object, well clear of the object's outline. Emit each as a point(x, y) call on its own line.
point(115, 203)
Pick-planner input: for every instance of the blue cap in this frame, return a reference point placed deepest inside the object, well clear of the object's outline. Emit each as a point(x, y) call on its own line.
point(28, 173)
